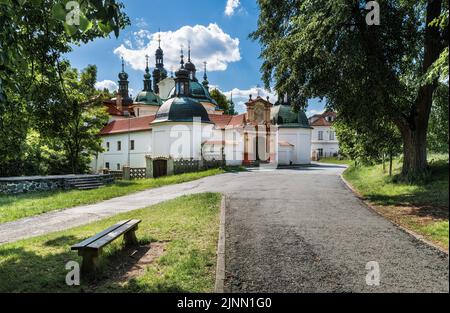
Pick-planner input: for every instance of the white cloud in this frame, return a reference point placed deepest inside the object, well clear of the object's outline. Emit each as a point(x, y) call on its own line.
point(108, 84)
point(231, 7)
point(312, 112)
point(241, 96)
point(208, 43)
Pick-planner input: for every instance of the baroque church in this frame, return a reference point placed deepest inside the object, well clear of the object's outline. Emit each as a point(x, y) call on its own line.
point(176, 118)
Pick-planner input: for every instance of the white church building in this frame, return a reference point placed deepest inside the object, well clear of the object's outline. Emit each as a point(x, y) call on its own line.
point(176, 118)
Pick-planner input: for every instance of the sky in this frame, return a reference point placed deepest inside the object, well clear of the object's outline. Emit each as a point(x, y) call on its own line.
point(218, 33)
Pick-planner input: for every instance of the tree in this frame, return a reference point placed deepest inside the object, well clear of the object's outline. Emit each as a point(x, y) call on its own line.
point(438, 138)
point(35, 35)
point(326, 49)
point(78, 106)
point(226, 105)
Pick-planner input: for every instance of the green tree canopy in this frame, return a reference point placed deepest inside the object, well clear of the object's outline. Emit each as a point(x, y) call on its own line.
point(325, 49)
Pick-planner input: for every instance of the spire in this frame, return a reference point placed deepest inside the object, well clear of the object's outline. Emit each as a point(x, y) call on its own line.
point(189, 51)
point(123, 65)
point(205, 82)
point(182, 57)
point(159, 38)
point(147, 76)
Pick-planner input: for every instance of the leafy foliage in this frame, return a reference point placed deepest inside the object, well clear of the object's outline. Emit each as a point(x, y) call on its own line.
point(33, 93)
point(226, 105)
point(325, 49)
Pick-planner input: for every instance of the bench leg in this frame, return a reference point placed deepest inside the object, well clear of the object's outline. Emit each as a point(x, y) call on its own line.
point(90, 261)
point(130, 238)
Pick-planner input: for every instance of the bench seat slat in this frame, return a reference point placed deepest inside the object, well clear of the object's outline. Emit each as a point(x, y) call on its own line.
point(112, 235)
point(96, 237)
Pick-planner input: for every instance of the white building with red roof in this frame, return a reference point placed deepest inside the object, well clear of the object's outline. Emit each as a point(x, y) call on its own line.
point(324, 142)
point(189, 125)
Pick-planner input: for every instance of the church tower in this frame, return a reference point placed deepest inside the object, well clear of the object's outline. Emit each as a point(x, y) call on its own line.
point(123, 86)
point(190, 66)
point(159, 73)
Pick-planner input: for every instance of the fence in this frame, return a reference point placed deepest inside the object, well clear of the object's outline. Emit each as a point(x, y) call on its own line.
point(185, 166)
point(116, 174)
point(137, 172)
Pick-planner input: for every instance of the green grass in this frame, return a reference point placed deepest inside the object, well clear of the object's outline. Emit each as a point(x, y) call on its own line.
point(335, 160)
point(421, 207)
point(379, 188)
point(188, 224)
point(19, 206)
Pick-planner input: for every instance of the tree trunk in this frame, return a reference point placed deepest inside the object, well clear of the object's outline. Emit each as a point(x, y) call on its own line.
point(414, 153)
point(390, 163)
point(415, 126)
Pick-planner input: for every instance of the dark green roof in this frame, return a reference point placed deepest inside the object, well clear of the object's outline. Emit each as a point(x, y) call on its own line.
point(148, 97)
point(285, 117)
point(181, 109)
point(198, 92)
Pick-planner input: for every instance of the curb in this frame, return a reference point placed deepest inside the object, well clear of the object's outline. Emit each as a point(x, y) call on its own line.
point(372, 208)
point(220, 268)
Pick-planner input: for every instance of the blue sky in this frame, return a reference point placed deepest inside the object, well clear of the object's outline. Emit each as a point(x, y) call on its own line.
point(218, 31)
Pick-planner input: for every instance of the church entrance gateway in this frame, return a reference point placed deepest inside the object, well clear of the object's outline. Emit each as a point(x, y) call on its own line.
point(159, 168)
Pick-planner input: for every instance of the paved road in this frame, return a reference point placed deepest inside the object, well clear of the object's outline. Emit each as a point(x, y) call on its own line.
point(293, 230)
point(304, 231)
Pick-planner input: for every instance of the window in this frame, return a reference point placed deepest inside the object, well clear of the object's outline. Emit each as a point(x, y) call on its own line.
point(107, 165)
point(131, 144)
point(320, 152)
point(331, 135)
point(107, 146)
point(320, 135)
point(119, 146)
point(118, 166)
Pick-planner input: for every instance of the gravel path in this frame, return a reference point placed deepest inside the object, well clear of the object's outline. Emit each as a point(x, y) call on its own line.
point(286, 231)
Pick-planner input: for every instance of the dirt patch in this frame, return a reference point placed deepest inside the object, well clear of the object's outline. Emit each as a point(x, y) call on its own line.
point(407, 216)
point(128, 264)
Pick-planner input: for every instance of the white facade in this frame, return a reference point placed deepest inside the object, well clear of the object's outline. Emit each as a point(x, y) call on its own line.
point(299, 150)
point(120, 150)
point(324, 141)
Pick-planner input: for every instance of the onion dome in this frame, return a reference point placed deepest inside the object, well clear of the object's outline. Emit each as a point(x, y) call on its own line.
point(285, 117)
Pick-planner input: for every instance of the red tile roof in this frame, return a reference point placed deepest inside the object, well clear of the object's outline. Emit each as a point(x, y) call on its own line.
point(222, 121)
point(285, 143)
point(320, 119)
point(128, 125)
point(143, 123)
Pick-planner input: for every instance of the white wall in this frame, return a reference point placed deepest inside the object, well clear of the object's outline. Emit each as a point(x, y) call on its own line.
point(329, 146)
point(301, 139)
point(142, 147)
point(179, 140)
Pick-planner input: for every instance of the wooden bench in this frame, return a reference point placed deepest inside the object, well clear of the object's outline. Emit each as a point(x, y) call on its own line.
point(91, 248)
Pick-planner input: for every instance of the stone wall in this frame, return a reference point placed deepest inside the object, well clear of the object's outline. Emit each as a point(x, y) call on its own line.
point(17, 185)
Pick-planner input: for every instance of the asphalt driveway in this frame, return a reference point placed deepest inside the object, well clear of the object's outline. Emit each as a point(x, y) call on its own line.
point(304, 231)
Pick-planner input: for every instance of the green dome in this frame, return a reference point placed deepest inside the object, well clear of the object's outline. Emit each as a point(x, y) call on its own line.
point(285, 117)
point(181, 109)
point(148, 97)
point(198, 92)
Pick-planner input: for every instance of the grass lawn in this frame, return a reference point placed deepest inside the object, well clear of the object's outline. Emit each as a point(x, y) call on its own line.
point(420, 207)
point(335, 160)
point(182, 233)
point(15, 207)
